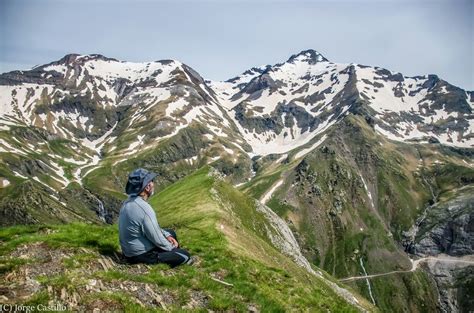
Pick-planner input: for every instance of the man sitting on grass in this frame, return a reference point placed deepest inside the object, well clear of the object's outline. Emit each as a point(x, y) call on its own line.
point(141, 238)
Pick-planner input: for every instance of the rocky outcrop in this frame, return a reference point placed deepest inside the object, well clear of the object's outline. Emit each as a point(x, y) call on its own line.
point(452, 281)
point(448, 227)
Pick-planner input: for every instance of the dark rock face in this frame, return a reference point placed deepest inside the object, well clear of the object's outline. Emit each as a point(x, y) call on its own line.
point(386, 75)
point(100, 119)
point(261, 82)
point(454, 283)
point(20, 77)
point(453, 100)
point(257, 124)
point(448, 228)
point(293, 114)
point(254, 71)
point(464, 281)
point(431, 82)
point(455, 237)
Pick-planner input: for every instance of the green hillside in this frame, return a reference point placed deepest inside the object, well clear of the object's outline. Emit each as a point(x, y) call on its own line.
point(237, 267)
point(351, 201)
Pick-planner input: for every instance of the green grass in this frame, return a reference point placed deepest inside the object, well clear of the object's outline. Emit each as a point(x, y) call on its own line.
point(279, 207)
point(451, 176)
point(414, 291)
point(100, 238)
point(195, 207)
point(259, 185)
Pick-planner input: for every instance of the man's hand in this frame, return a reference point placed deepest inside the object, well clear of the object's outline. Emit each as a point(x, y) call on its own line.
point(173, 241)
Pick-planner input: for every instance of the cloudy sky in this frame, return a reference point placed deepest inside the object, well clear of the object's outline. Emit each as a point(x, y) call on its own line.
point(221, 39)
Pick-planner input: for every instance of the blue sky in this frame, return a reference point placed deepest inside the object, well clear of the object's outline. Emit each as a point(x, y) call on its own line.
point(221, 39)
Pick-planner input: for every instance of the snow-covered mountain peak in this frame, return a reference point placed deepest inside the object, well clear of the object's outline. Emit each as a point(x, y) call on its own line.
point(74, 58)
point(274, 109)
point(76, 67)
point(309, 56)
point(248, 75)
point(289, 103)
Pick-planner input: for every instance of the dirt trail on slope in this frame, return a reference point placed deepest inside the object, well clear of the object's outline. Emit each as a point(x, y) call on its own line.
point(267, 196)
point(467, 259)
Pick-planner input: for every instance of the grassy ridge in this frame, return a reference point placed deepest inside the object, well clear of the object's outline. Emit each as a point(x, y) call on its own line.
point(227, 245)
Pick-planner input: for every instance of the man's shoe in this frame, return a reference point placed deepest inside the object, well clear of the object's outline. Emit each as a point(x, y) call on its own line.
point(190, 261)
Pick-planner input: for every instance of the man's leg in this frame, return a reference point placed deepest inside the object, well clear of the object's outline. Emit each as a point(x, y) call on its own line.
point(150, 257)
point(175, 257)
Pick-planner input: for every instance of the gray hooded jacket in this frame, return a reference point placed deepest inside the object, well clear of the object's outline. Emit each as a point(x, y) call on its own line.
point(139, 231)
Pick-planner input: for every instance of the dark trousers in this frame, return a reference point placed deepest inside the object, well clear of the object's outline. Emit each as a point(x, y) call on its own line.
point(173, 258)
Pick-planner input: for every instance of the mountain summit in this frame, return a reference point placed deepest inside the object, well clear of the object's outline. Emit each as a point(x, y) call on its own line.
point(310, 56)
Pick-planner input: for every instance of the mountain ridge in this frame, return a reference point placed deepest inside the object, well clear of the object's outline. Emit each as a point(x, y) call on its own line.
point(352, 158)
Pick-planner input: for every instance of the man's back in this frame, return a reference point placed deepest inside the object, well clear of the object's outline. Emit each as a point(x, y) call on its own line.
point(139, 231)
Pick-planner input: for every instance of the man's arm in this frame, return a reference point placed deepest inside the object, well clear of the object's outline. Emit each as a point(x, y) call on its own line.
point(153, 232)
point(170, 238)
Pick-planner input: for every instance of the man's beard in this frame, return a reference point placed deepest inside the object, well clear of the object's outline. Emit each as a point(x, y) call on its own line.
point(151, 193)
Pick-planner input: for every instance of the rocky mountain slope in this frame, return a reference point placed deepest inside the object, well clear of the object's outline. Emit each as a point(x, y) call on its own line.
point(368, 167)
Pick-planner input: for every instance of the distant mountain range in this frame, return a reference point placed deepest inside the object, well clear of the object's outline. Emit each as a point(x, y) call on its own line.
point(368, 167)
point(274, 109)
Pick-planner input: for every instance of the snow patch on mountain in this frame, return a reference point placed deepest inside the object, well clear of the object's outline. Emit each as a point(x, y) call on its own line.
point(7, 147)
point(307, 150)
point(176, 106)
point(382, 93)
point(132, 147)
point(416, 108)
point(56, 68)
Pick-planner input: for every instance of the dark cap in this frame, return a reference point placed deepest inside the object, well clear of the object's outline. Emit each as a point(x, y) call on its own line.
point(137, 181)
